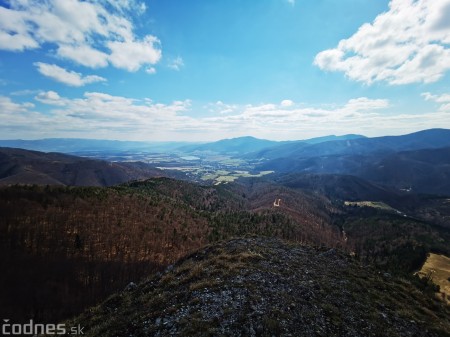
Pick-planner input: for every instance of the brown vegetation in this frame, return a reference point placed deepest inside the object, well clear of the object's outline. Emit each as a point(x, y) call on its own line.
point(64, 248)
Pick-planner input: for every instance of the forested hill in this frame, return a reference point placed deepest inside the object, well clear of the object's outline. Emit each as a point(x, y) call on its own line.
point(18, 166)
point(90, 241)
point(77, 245)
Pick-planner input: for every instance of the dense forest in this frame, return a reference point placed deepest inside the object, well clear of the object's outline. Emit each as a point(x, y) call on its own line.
point(65, 248)
point(75, 245)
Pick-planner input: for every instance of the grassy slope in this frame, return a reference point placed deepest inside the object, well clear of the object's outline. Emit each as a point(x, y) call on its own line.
point(437, 267)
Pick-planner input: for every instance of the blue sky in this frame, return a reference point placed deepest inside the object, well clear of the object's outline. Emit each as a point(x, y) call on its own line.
point(206, 70)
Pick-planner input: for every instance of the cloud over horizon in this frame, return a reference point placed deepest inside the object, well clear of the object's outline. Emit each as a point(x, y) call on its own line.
point(96, 114)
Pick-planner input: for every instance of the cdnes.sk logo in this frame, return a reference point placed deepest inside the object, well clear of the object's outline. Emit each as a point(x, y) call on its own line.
point(32, 329)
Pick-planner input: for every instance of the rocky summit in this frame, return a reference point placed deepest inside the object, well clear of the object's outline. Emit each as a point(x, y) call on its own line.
point(267, 287)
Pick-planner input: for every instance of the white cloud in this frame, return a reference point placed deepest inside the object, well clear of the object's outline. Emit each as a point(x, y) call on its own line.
point(95, 114)
point(14, 31)
point(221, 108)
point(50, 97)
point(291, 2)
point(287, 114)
point(407, 44)
point(365, 104)
point(150, 70)
point(83, 54)
point(130, 5)
point(90, 33)
point(443, 99)
point(25, 92)
point(102, 115)
point(176, 64)
point(131, 55)
point(6, 104)
point(62, 75)
point(287, 103)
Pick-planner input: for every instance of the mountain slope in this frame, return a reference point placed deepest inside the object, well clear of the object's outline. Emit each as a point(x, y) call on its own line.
point(347, 188)
point(264, 287)
point(240, 145)
point(425, 171)
point(421, 171)
point(69, 247)
point(427, 139)
point(19, 166)
point(330, 138)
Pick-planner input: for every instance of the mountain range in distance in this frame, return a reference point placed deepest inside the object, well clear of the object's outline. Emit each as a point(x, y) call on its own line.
point(417, 162)
point(250, 146)
point(236, 146)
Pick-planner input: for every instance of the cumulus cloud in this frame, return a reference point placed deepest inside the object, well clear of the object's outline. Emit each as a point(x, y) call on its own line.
point(118, 111)
point(101, 115)
point(364, 104)
point(93, 34)
point(62, 75)
point(95, 114)
point(220, 108)
point(130, 55)
point(287, 103)
point(150, 70)
point(443, 100)
point(15, 32)
point(407, 44)
point(362, 115)
point(176, 64)
point(83, 54)
point(6, 104)
point(50, 97)
point(287, 112)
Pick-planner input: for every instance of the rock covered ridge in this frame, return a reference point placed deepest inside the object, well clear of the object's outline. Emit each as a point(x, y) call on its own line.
point(266, 287)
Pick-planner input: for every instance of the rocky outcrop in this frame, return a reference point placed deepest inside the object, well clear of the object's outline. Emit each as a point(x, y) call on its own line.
point(266, 287)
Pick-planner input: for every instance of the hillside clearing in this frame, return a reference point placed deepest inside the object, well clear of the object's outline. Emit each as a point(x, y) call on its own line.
point(439, 267)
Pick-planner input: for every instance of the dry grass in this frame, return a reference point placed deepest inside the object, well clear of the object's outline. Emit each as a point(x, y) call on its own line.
point(439, 267)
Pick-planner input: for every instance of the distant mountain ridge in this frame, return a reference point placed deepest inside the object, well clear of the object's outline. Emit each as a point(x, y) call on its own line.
point(426, 139)
point(236, 146)
point(250, 147)
point(418, 161)
point(240, 145)
point(18, 166)
point(331, 138)
point(78, 145)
